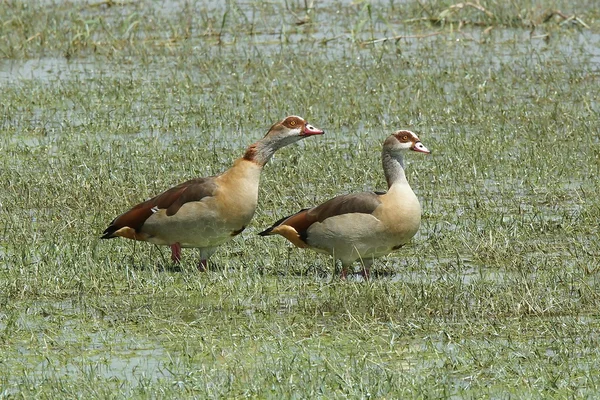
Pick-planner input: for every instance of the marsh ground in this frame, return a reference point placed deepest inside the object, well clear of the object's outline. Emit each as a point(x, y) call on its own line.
point(104, 104)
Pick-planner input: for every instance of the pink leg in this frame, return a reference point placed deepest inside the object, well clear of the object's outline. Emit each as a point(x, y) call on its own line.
point(365, 273)
point(344, 274)
point(203, 265)
point(176, 253)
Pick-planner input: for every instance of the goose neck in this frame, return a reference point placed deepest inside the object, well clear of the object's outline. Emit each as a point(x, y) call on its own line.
point(393, 168)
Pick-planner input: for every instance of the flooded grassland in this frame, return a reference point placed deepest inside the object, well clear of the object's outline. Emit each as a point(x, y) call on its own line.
point(104, 104)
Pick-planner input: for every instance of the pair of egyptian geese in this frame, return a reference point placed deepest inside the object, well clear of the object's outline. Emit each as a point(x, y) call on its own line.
point(207, 212)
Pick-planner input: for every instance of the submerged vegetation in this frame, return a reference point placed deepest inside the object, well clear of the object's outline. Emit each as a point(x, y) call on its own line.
point(107, 103)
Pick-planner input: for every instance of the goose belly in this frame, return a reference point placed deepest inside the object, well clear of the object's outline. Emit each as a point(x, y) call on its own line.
point(352, 236)
point(195, 225)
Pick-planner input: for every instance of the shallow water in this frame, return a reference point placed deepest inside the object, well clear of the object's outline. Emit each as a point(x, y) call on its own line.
point(108, 354)
point(525, 223)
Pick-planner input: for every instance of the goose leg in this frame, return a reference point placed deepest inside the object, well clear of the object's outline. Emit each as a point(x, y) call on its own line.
point(176, 252)
point(205, 253)
point(366, 266)
point(344, 274)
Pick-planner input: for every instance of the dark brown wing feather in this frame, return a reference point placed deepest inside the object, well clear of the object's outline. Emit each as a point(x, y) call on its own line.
point(171, 200)
point(297, 221)
point(364, 203)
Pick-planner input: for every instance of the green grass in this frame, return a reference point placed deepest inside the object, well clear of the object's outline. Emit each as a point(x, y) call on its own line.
point(104, 106)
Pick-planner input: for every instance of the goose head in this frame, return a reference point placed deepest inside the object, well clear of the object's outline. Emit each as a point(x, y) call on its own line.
point(404, 140)
point(290, 130)
point(287, 131)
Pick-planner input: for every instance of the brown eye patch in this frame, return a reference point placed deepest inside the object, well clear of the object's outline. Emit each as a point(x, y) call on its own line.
point(292, 122)
point(404, 136)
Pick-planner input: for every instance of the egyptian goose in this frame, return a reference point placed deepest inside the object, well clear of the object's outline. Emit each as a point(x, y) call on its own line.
point(206, 212)
point(362, 225)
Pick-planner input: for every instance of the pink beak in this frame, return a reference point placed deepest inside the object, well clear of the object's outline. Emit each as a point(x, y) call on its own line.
point(419, 147)
point(311, 130)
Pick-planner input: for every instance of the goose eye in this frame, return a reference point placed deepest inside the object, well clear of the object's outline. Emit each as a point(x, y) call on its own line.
point(293, 122)
point(405, 138)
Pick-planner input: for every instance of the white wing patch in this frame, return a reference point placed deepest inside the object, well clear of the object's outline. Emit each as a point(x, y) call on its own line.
point(154, 209)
